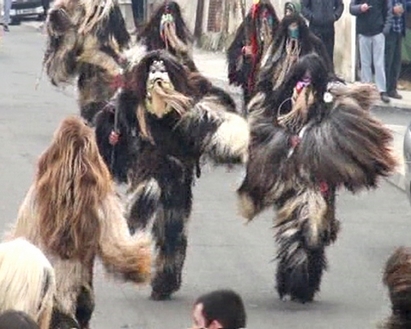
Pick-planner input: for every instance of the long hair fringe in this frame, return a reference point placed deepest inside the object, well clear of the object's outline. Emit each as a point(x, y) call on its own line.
point(71, 181)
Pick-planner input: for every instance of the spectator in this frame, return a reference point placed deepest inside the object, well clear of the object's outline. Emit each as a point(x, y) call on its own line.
point(321, 15)
point(219, 309)
point(374, 19)
point(393, 48)
point(6, 16)
point(17, 320)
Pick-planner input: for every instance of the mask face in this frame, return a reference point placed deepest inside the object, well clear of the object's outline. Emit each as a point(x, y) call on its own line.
point(158, 72)
point(289, 9)
point(293, 31)
point(166, 19)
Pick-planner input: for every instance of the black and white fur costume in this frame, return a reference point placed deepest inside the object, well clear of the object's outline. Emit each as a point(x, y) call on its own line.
point(158, 152)
point(308, 139)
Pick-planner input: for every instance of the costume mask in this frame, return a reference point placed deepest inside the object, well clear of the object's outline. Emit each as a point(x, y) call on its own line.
point(293, 31)
point(289, 9)
point(166, 19)
point(157, 78)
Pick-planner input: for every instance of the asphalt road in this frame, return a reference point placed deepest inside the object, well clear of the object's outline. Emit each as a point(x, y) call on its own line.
point(222, 251)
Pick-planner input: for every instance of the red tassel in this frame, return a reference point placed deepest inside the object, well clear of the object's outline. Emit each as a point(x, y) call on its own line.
point(117, 82)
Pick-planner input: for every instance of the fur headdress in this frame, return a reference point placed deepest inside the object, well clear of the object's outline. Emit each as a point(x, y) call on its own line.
point(397, 278)
point(257, 30)
point(70, 223)
point(167, 30)
point(169, 93)
point(27, 281)
point(283, 53)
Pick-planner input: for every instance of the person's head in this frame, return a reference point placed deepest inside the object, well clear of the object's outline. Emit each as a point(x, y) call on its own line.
point(292, 7)
point(17, 320)
point(219, 309)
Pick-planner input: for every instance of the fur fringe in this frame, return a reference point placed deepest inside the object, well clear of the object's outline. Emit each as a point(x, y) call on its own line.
point(305, 225)
point(349, 146)
point(397, 278)
point(27, 281)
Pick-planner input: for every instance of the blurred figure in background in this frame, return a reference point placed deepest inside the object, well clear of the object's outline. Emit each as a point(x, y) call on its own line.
point(6, 15)
point(393, 45)
point(322, 14)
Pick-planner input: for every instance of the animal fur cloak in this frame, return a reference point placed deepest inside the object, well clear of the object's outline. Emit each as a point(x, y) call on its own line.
point(165, 124)
point(293, 40)
point(250, 44)
point(397, 278)
point(27, 281)
point(167, 29)
point(309, 139)
point(72, 213)
point(86, 44)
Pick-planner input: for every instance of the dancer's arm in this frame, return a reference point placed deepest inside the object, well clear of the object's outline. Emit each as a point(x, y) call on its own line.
point(349, 146)
point(216, 132)
point(121, 253)
point(269, 149)
point(117, 144)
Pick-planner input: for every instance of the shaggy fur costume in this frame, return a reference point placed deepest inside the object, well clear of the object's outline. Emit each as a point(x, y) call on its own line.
point(167, 30)
point(161, 139)
point(86, 41)
point(27, 281)
point(285, 51)
point(306, 142)
point(397, 278)
point(72, 213)
point(257, 32)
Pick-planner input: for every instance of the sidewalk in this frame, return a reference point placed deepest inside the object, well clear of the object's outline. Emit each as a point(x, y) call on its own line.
point(213, 65)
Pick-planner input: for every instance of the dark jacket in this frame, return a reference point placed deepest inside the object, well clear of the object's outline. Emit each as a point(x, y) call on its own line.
point(377, 19)
point(322, 12)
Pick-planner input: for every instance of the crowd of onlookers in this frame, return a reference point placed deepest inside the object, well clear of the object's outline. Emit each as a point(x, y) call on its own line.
point(380, 26)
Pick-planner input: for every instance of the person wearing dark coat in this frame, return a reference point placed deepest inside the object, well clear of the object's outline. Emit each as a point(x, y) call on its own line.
point(322, 14)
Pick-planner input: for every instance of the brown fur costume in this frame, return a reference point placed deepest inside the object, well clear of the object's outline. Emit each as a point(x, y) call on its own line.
point(165, 124)
point(306, 143)
point(86, 41)
point(72, 213)
point(27, 281)
point(397, 278)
